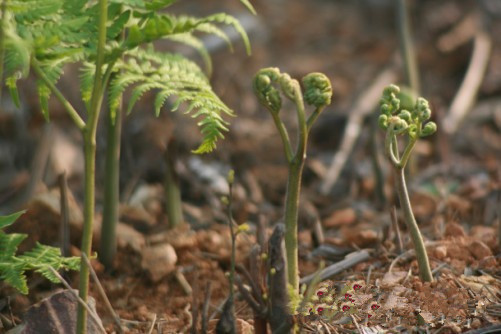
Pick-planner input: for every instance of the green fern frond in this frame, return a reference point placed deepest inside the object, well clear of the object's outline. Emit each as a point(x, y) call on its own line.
point(40, 259)
point(159, 26)
point(195, 43)
point(53, 74)
point(86, 81)
point(249, 6)
point(10, 219)
point(171, 75)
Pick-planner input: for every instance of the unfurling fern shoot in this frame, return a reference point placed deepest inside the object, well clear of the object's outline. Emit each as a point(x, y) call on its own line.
point(44, 35)
point(317, 93)
point(413, 124)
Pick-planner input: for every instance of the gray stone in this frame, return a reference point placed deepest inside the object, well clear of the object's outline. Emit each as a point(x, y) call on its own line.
point(56, 314)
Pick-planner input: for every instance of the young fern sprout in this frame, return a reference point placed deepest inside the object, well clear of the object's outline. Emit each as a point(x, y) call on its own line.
point(317, 93)
point(414, 124)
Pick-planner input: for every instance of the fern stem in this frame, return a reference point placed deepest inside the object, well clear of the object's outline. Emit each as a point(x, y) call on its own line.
point(407, 47)
point(173, 202)
point(313, 117)
point(90, 172)
point(89, 134)
point(57, 93)
point(417, 238)
point(285, 137)
point(108, 245)
point(3, 9)
point(293, 192)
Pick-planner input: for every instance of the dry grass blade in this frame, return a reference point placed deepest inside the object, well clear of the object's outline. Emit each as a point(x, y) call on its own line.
point(103, 295)
point(363, 106)
point(92, 314)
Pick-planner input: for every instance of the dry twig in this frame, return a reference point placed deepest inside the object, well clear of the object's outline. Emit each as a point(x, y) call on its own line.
point(363, 106)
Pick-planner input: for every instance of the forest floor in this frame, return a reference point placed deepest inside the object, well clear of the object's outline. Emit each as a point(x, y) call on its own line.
point(454, 180)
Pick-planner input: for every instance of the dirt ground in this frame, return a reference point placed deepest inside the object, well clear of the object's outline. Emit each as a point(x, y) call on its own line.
point(454, 181)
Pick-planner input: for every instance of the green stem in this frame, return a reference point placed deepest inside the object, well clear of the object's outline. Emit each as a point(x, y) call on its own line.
point(57, 93)
point(293, 192)
point(417, 239)
point(89, 136)
point(291, 216)
point(407, 153)
point(173, 202)
point(407, 47)
point(3, 9)
point(111, 191)
point(284, 135)
point(233, 242)
point(313, 117)
point(391, 147)
point(83, 288)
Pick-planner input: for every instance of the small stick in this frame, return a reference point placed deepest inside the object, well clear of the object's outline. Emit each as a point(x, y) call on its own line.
point(183, 282)
point(246, 295)
point(194, 308)
point(205, 308)
point(466, 95)
point(80, 300)
point(153, 323)
point(394, 220)
point(253, 284)
point(363, 106)
point(103, 295)
point(349, 261)
point(65, 229)
point(369, 272)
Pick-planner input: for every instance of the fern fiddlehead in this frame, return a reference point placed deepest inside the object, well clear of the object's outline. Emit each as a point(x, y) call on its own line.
point(400, 122)
point(267, 85)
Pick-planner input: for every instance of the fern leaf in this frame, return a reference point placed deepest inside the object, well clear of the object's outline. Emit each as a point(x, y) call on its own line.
point(11, 83)
point(87, 81)
point(10, 219)
point(195, 43)
point(230, 20)
point(172, 75)
point(41, 258)
point(12, 273)
point(9, 244)
point(249, 6)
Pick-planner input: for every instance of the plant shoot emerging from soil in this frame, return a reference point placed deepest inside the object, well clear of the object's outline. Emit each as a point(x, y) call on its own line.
point(414, 125)
point(317, 92)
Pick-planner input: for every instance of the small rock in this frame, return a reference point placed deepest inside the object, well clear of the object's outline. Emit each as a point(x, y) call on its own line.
point(244, 327)
point(476, 323)
point(128, 236)
point(159, 260)
point(341, 217)
point(454, 230)
point(360, 235)
point(393, 278)
point(138, 217)
point(479, 250)
point(49, 203)
point(440, 252)
point(486, 234)
point(56, 315)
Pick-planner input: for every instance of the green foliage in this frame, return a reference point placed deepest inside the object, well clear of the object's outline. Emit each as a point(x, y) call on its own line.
point(39, 259)
point(403, 121)
point(53, 33)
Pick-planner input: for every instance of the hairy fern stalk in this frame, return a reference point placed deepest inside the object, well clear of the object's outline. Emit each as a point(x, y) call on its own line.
point(42, 36)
